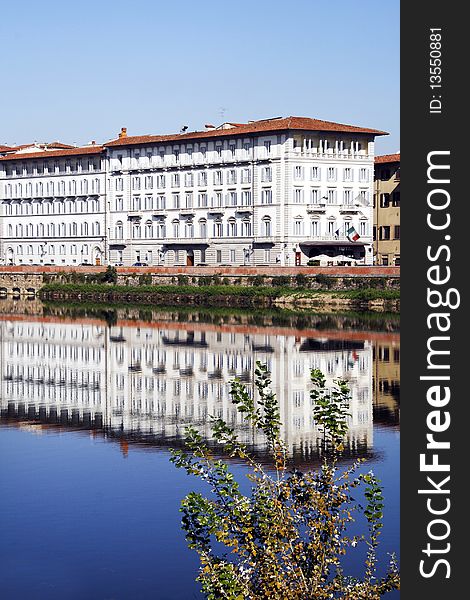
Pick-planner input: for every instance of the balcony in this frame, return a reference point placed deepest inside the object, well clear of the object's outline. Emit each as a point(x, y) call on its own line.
point(348, 209)
point(316, 208)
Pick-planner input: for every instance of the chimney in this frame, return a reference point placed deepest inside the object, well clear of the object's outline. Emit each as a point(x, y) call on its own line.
point(123, 132)
point(209, 127)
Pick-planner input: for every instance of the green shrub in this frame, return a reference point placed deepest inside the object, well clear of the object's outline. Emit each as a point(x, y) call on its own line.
point(257, 280)
point(301, 280)
point(287, 538)
point(182, 279)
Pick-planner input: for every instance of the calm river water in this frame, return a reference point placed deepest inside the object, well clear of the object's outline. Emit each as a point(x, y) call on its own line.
point(92, 399)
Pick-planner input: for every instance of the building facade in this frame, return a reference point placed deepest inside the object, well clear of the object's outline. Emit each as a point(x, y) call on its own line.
point(280, 191)
point(53, 208)
point(387, 210)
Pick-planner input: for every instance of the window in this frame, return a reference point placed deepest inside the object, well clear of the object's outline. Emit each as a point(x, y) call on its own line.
point(315, 228)
point(347, 197)
point(218, 256)
point(136, 231)
point(136, 203)
point(202, 178)
point(266, 196)
point(246, 198)
point(384, 232)
point(331, 196)
point(298, 226)
point(176, 228)
point(232, 198)
point(161, 202)
point(188, 179)
point(232, 227)
point(267, 146)
point(232, 147)
point(176, 200)
point(266, 227)
point(218, 178)
point(331, 173)
point(218, 230)
point(246, 228)
point(363, 228)
point(119, 230)
point(384, 200)
point(202, 200)
point(136, 183)
point(396, 233)
point(175, 180)
point(385, 262)
point(188, 198)
point(363, 175)
point(233, 256)
point(299, 196)
point(246, 149)
point(203, 228)
point(160, 181)
point(396, 199)
point(246, 176)
point(332, 228)
point(347, 174)
point(148, 182)
point(119, 184)
point(148, 202)
point(231, 177)
point(266, 174)
point(189, 229)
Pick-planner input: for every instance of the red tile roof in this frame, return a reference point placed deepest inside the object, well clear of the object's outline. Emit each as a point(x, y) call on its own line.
point(6, 148)
point(54, 153)
point(387, 158)
point(268, 125)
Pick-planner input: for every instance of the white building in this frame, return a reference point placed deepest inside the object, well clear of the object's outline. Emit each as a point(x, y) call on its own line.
point(53, 205)
point(279, 191)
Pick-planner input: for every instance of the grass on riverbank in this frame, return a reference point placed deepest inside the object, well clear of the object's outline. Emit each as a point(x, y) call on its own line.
point(209, 291)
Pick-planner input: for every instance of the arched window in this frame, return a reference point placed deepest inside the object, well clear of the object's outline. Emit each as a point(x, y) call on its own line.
point(96, 228)
point(136, 231)
point(51, 249)
point(267, 230)
point(62, 249)
point(73, 249)
point(62, 232)
point(19, 230)
point(74, 229)
point(51, 230)
point(160, 229)
point(19, 250)
point(189, 229)
point(97, 186)
point(203, 228)
point(119, 230)
point(149, 229)
point(232, 227)
point(84, 249)
point(29, 230)
point(40, 230)
point(176, 228)
point(84, 186)
point(30, 249)
point(10, 230)
point(85, 228)
point(218, 228)
point(246, 228)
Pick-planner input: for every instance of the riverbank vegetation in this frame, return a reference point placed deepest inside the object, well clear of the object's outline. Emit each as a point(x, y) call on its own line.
point(289, 537)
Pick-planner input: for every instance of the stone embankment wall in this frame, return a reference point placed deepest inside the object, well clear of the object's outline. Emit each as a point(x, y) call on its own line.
point(24, 280)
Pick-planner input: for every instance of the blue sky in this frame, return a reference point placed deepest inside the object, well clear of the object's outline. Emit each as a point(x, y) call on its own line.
point(79, 71)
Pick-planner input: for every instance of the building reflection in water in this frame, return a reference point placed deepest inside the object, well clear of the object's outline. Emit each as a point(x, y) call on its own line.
point(146, 381)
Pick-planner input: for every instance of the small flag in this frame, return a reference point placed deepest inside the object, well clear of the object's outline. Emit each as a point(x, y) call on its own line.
point(337, 233)
point(352, 234)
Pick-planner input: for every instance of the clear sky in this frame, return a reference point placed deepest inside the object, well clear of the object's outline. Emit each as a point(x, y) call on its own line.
point(79, 71)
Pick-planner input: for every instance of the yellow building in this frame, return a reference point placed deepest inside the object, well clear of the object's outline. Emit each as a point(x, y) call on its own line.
point(387, 210)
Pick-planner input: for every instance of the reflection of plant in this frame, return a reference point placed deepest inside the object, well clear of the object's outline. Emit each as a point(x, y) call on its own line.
point(287, 539)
